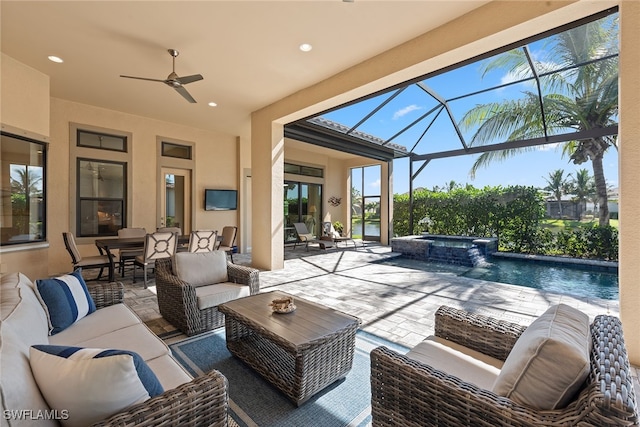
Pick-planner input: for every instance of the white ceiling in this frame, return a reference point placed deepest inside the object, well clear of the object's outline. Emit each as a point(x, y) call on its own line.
point(247, 51)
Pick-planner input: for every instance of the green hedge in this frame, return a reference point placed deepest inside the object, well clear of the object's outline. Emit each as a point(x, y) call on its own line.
point(512, 214)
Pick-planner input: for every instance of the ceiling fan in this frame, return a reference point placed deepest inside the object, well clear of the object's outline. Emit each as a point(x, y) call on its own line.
point(173, 80)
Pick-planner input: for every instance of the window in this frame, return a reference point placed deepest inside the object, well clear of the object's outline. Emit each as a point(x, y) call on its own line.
point(365, 202)
point(101, 197)
point(303, 170)
point(170, 149)
point(101, 141)
point(23, 198)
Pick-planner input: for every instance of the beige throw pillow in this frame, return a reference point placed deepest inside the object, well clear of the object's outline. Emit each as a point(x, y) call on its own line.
point(200, 269)
point(549, 362)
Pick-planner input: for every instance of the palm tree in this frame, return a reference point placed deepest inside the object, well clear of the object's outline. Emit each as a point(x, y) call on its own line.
point(557, 186)
point(582, 186)
point(580, 98)
point(26, 181)
point(451, 185)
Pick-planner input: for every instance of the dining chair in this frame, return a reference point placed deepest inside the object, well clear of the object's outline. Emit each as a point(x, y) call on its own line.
point(156, 245)
point(203, 240)
point(78, 261)
point(228, 239)
point(128, 256)
point(178, 230)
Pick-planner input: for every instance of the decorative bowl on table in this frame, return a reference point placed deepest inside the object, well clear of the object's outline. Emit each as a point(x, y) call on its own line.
point(283, 305)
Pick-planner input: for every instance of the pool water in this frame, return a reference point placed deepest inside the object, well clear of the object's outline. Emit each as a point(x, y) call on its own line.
point(550, 277)
point(557, 278)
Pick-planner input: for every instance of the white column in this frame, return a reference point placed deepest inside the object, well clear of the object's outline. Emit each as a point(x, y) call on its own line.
point(629, 158)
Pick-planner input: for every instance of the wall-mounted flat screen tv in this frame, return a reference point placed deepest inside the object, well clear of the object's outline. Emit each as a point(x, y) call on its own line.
point(220, 200)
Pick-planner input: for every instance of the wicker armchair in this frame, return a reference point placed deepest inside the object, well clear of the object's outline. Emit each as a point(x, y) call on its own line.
point(406, 392)
point(178, 303)
point(203, 401)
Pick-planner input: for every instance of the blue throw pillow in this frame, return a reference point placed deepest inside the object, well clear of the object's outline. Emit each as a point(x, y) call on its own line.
point(91, 384)
point(66, 300)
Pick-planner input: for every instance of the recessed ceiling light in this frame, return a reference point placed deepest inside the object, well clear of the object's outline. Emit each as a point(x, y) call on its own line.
point(55, 59)
point(213, 104)
point(305, 47)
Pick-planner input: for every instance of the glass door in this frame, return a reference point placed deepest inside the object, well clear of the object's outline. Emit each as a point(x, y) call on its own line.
point(302, 203)
point(175, 209)
point(371, 218)
point(365, 203)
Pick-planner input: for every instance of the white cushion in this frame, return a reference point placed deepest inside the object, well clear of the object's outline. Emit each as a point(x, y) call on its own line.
point(102, 322)
point(169, 372)
point(469, 365)
point(549, 362)
point(199, 269)
point(21, 308)
point(86, 385)
point(138, 338)
point(23, 323)
point(214, 295)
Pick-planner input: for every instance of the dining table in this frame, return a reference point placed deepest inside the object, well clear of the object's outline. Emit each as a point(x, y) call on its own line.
point(107, 246)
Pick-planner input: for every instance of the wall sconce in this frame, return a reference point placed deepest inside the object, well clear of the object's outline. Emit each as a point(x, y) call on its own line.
point(335, 201)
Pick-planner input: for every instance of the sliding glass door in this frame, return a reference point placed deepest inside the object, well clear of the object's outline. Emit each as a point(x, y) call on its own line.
point(302, 203)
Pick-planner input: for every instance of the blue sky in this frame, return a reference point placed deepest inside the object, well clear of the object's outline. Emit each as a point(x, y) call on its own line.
point(525, 169)
point(415, 104)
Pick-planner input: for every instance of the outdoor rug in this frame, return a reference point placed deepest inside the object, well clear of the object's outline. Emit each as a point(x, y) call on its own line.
point(254, 402)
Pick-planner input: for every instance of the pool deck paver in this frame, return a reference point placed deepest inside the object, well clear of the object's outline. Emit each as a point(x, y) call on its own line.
point(397, 300)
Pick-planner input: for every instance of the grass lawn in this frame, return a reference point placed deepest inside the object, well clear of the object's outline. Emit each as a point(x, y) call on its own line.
point(566, 224)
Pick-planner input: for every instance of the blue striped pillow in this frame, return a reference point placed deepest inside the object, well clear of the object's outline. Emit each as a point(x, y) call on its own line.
point(66, 300)
point(91, 384)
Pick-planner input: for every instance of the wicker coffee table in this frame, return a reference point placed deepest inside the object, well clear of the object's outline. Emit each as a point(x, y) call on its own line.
point(300, 353)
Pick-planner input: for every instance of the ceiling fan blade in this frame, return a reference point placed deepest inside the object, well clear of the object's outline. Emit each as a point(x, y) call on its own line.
point(189, 79)
point(142, 78)
point(182, 91)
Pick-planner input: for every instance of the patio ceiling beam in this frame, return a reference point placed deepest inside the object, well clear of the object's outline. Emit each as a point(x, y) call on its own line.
point(339, 142)
point(553, 139)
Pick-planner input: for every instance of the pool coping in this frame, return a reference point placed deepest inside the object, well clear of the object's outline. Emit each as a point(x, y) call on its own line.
point(611, 266)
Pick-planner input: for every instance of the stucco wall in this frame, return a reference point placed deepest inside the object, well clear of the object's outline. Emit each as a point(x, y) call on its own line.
point(27, 106)
point(629, 160)
point(336, 181)
point(216, 167)
point(24, 97)
point(24, 109)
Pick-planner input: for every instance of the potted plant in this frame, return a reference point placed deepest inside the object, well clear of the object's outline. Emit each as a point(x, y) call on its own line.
point(338, 227)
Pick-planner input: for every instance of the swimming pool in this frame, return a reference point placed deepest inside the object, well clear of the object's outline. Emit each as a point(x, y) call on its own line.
point(557, 278)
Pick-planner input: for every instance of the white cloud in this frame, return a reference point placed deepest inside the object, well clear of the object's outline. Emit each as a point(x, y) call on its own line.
point(375, 184)
point(508, 78)
point(549, 147)
point(406, 110)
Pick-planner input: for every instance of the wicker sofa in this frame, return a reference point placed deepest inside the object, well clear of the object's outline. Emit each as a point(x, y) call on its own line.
point(193, 307)
point(184, 402)
point(407, 392)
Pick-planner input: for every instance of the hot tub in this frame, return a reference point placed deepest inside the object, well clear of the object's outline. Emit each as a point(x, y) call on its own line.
point(462, 250)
